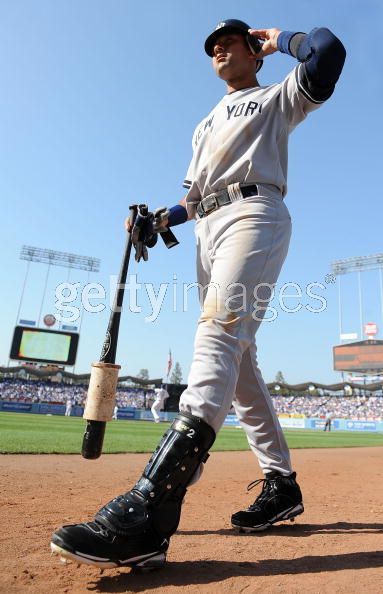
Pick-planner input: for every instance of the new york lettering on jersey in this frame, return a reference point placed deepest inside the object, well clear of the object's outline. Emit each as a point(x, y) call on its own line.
point(243, 109)
point(236, 110)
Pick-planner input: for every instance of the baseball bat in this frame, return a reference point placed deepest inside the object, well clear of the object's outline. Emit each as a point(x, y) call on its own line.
point(95, 429)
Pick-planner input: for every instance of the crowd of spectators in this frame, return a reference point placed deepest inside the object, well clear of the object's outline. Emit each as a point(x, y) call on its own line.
point(14, 390)
point(135, 397)
point(361, 407)
point(369, 408)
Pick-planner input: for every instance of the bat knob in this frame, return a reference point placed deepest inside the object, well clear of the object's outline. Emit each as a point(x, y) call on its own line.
point(93, 440)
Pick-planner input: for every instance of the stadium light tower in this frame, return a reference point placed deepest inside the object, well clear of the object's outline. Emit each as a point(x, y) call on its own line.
point(53, 258)
point(358, 264)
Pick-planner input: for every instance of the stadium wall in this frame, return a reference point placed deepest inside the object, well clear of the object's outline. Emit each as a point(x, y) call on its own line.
point(139, 414)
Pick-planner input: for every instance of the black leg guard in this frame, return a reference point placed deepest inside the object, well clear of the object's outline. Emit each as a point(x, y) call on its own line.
point(158, 495)
point(135, 527)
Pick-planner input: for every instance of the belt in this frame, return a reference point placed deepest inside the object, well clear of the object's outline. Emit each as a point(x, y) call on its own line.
point(218, 199)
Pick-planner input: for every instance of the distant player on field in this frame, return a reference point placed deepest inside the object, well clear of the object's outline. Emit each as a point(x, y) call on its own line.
point(328, 422)
point(158, 404)
point(68, 408)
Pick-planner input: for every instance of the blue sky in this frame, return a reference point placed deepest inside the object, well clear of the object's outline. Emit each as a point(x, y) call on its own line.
point(98, 104)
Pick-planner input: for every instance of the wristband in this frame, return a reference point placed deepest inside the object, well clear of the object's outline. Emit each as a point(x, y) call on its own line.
point(177, 215)
point(289, 41)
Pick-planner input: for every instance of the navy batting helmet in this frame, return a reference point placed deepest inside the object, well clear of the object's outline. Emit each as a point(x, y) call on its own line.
point(233, 26)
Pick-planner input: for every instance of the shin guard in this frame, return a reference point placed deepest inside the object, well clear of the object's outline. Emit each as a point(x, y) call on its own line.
point(154, 503)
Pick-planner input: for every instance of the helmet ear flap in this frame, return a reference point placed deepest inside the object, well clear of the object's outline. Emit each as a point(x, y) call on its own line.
point(255, 47)
point(254, 44)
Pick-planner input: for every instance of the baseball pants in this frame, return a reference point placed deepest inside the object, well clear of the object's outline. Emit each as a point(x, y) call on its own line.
point(155, 410)
point(240, 252)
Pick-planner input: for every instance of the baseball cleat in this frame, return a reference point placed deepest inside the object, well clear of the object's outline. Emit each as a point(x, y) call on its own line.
point(280, 499)
point(81, 542)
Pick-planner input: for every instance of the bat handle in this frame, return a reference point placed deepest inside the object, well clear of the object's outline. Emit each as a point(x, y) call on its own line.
point(169, 239)
point(93, 440)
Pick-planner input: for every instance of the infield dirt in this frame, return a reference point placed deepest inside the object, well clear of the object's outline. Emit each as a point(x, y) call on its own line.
point(335, 546)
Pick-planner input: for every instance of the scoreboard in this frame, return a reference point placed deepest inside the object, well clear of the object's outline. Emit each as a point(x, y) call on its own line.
point(364, 356)
point(45, 346)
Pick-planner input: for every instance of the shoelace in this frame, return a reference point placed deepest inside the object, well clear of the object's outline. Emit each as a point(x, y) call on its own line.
point(268, 488)
point(95, 526)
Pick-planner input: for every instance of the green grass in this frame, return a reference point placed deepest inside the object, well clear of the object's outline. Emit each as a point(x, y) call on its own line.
point(40, 434)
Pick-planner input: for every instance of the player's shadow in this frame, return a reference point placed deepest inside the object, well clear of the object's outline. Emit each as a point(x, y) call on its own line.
point(187, 573)
point(297, 529)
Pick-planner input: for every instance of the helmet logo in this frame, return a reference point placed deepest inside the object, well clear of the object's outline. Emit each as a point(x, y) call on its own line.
point(220, 25)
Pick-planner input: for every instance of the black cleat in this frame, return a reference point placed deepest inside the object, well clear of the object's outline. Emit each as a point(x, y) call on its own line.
point(123, 533)
point(280, 499)
point(93, 544)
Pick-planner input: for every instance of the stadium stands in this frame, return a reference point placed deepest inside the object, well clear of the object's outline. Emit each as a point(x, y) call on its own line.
point(13, 390)
point(356, 407)
point(368, 408)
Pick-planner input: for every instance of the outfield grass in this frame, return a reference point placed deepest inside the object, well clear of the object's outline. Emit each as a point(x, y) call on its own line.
point(42, 434)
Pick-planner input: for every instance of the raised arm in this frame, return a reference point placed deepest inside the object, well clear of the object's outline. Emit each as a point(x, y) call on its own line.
point(320, 51)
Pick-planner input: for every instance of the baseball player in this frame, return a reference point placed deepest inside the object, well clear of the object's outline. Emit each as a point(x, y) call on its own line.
point(158, 404)
point(328, 421)
point(68, 408)
point(236, 184)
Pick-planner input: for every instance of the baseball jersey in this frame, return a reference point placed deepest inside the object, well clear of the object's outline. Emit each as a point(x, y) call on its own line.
point(161, 396)
point(244, 139)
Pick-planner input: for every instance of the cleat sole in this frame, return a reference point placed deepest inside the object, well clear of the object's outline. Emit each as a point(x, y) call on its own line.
point(66, 556)
point(150, 564)
point(289, 515)
point(146, 563)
